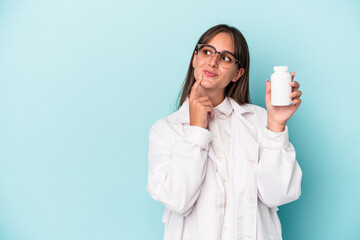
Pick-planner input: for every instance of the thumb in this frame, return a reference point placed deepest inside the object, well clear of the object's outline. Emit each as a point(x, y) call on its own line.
point(268, 86)
point(268, 92)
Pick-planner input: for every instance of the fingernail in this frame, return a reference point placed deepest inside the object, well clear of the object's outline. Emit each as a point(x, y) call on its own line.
point(290, 103)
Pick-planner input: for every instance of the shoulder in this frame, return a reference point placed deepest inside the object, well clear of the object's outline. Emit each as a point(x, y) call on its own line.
point(162, 123)
point(170, 125)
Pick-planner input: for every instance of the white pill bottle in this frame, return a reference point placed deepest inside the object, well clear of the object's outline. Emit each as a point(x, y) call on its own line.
point(280, 86)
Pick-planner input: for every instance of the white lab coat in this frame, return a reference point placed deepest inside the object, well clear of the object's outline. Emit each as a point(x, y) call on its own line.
point(263, 174)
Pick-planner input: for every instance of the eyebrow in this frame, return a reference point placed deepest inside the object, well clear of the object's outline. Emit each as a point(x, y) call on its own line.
point(221, 51)
point(224, 50)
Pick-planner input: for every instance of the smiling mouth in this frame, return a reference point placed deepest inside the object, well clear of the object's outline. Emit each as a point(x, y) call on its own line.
point(210, 74)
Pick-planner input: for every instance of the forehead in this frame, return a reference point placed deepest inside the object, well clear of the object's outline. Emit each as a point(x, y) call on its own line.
point(222, 42)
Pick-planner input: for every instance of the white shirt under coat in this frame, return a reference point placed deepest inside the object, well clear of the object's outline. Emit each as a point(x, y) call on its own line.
point(186, 175)
point(220, 129)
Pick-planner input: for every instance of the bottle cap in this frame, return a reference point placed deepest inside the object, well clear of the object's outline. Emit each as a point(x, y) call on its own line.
point(281, 68)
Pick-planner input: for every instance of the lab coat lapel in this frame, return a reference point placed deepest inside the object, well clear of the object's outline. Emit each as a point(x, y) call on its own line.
point(212, 154)
point(240, 111)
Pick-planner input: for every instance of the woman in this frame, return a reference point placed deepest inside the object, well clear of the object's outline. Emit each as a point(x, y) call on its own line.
point(220, 165)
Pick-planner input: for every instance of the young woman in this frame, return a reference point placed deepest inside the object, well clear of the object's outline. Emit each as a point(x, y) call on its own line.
point(220, 165)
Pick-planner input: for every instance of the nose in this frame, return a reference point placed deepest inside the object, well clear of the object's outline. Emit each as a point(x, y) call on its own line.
point(214, 60)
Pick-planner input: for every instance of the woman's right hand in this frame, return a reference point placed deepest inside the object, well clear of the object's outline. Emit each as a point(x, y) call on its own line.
point(199, 107)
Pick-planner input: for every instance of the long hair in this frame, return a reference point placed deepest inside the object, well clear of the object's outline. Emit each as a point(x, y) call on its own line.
point(238, 90)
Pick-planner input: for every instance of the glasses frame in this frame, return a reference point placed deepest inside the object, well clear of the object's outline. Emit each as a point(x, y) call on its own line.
point(199, 45)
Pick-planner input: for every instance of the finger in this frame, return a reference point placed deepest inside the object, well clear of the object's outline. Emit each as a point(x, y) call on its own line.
point(204, 98)
point(205, 102)
point(295, 85)
point(268, 92)
point(212, 115)
point(295, 94)
point(208, 109)
point(296, 102)
point(193, 92)
point(292, 75)
point(268, 86)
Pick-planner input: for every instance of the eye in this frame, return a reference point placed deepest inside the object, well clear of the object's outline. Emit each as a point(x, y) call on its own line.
point(206, 52)
point(226, 58)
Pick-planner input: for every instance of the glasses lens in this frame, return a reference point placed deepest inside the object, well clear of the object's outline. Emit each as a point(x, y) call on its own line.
point(226, 60)
point(206, 52)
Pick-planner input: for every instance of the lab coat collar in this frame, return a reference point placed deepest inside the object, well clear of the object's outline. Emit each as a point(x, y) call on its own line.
point(224, 107)
point(182, 115)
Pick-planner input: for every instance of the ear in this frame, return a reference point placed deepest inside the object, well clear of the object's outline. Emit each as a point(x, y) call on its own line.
point(238, 74)
point(194, 59)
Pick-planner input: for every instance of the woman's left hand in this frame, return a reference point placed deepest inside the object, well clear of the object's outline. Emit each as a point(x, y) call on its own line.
point(277, 116)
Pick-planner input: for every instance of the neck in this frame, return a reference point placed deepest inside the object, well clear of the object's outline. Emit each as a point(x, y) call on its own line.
point(215, 96)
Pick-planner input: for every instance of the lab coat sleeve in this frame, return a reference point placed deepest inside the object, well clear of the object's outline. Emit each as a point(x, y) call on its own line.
point(278, 174)
point(177, 167)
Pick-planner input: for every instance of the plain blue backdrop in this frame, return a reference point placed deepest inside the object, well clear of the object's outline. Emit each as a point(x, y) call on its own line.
point(81, 83)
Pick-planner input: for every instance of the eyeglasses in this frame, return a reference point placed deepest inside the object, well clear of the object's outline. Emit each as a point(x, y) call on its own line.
point(226, 59)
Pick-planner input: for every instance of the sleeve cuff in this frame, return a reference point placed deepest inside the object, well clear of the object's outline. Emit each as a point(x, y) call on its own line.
point(197, 135)
point(274, 140)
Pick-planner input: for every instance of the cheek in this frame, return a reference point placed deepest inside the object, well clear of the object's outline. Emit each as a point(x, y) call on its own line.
point(227, 78)
point(230, 76)
point(198, 63)
point(198, 66)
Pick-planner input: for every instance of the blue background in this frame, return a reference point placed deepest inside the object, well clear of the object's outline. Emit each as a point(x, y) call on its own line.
point(81, 82)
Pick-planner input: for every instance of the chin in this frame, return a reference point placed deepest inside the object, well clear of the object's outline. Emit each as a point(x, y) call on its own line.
point(206, 83)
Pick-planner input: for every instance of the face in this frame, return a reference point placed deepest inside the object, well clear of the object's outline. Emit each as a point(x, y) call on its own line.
point(215, 77)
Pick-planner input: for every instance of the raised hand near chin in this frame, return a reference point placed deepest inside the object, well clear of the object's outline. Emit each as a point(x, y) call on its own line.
point(199, 107)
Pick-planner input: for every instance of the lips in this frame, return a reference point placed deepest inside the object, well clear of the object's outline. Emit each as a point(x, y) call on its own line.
point(209, 74)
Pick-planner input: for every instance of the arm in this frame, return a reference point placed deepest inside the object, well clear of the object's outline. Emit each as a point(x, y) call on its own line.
point(279, 174)
point(177, 169)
